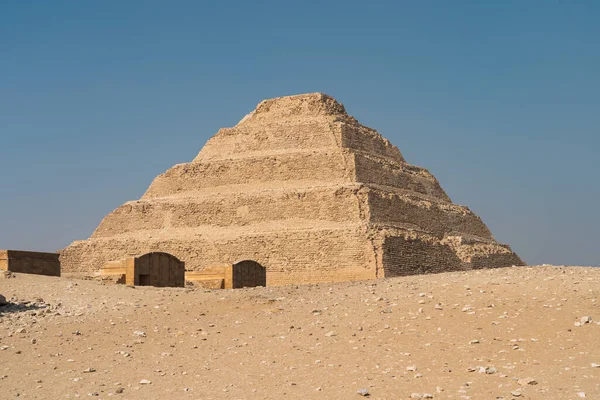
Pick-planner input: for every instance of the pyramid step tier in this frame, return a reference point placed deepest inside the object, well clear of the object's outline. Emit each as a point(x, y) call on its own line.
point(290, 256)
point(351, 203)
point(254, 139)
point(316, 168)
point(297, 256)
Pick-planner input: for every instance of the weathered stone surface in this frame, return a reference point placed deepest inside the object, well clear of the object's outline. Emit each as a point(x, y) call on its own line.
point(527, 381)
point(151, 269)
point(302, 188)
point(30, 262)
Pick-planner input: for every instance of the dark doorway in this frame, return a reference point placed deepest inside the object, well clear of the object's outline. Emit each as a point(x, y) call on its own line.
point(248, 273)
point(158, 269)
point(144, 280)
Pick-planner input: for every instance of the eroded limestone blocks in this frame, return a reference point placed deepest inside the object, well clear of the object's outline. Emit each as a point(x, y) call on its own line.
point(30, 262)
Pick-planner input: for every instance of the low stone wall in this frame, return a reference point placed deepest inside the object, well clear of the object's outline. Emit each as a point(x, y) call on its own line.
point(30, 262)
point(242, 274)
point(213, 277)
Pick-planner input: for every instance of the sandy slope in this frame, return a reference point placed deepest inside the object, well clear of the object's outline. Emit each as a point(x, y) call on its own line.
point(397, 338)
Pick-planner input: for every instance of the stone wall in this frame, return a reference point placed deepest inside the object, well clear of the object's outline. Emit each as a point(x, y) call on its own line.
point(302, 256)
point(246, 273)
point(30, 262)
point(439, 218)
point(211, 277)
point(380, 171)
point(299, 168)
point(368, 141)
point(424, 254)
point(244, 141)
point(409, 256)
point(336, 204)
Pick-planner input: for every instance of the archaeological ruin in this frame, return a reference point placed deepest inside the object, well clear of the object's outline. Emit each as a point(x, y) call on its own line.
point(152, 269)
point(30, 262)
point(245, 273)
point(305, 192)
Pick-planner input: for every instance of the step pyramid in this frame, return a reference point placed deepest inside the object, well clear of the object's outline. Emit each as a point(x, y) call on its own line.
point(302, 188)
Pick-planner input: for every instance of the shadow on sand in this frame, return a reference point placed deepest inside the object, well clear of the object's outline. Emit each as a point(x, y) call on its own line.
point(10, 308)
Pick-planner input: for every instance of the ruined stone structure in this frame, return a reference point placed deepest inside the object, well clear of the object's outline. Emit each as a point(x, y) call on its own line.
point(30, 262)
point(302, 188)
point(152, 269)
point(242, 274)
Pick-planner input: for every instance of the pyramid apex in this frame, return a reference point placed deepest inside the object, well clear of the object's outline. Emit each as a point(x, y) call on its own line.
point(307, 104)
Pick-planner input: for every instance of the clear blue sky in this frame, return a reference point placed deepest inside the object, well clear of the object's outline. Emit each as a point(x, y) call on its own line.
point(499, 99)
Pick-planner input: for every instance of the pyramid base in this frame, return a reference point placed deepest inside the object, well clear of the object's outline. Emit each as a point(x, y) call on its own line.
point(304, 256)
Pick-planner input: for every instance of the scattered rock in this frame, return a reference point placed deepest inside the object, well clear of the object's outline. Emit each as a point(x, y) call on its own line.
point(490, 370)
point(6, 275)
point(145, 382)
point(527, 381)
point(363, 392)
point(421, 396)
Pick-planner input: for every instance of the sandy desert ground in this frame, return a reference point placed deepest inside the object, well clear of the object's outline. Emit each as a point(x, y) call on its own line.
point(510, 333)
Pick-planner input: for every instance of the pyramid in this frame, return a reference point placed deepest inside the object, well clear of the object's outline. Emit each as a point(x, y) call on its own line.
point(302, 188)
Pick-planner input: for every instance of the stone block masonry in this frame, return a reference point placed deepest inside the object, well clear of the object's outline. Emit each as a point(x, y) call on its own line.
point(239, 275)
point(152, 269)
point(30, 262)
point(304, 190)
